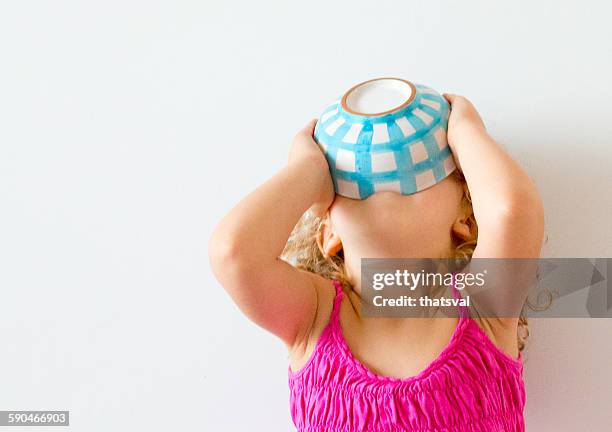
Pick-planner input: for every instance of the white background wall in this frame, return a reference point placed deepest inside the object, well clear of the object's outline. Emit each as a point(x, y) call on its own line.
point(128, 128)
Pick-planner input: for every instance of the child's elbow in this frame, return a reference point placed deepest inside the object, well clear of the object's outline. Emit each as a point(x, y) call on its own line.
point(224, 255)
point(523, 207)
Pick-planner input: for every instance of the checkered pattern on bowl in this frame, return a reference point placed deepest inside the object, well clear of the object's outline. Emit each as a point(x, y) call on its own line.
point(404, 151)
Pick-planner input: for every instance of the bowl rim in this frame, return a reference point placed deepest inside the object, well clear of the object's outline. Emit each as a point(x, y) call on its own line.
point(397, 108)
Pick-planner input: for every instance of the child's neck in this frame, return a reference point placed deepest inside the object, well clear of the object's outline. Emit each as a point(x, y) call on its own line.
point(353, 256)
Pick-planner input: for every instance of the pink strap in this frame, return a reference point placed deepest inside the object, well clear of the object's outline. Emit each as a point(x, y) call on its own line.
point(337, 300)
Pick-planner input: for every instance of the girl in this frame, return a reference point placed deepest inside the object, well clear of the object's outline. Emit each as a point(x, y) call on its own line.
point(348, 373)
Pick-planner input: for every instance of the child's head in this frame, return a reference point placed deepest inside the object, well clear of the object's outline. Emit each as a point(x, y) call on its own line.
point(428, 224)
point(437, 222)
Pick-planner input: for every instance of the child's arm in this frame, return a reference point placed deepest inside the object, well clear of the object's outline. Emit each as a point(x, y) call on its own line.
point(506, 203)
point(244, 248)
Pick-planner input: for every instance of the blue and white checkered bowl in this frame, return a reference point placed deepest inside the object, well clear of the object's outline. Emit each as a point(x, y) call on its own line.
point(403, 149)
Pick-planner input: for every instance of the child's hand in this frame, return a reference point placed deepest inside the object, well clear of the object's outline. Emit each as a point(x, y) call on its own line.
point(304, 150)
point(464, 121)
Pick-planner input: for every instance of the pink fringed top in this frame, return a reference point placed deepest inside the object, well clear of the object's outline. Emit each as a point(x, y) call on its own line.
point(471, 386)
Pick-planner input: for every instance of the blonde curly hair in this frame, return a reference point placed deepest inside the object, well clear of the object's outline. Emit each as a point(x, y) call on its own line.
point(303, 252)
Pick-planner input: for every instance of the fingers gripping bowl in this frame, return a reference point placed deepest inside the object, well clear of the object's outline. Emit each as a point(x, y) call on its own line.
point(386, 134)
